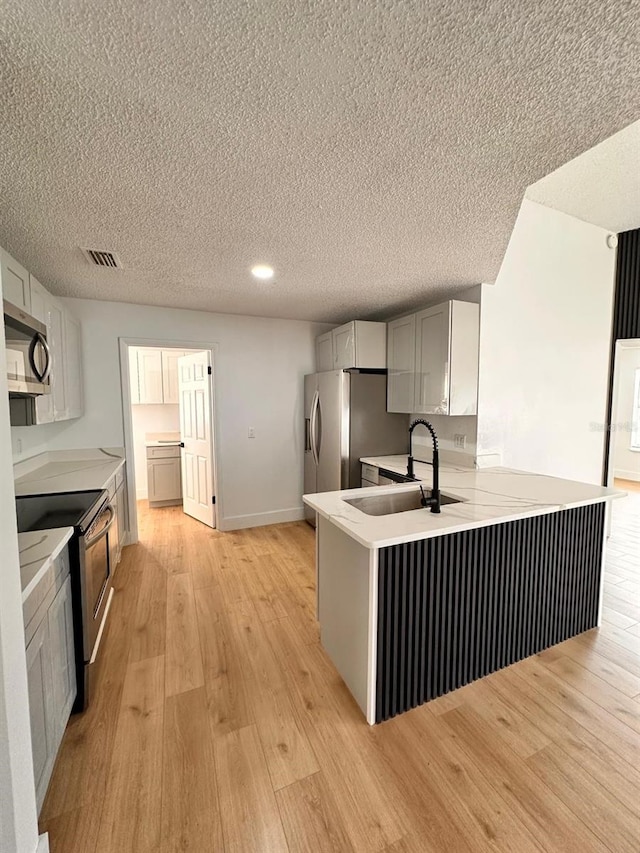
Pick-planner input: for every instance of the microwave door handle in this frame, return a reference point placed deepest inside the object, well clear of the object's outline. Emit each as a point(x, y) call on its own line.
point(39, 339)
point(90, 542)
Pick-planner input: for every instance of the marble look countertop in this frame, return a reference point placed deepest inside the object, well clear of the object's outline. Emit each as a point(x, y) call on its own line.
point(487, 496)
point(160, 439)
point(38, 549)
point(67, 471)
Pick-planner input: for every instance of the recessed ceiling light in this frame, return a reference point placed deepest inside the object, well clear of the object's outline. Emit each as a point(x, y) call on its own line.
point(262, 271)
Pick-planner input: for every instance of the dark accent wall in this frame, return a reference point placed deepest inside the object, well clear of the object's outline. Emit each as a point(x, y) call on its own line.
point(455, 608)
point(626, 312)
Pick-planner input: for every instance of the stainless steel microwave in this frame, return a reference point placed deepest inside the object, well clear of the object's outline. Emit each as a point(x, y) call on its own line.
point(28, 354)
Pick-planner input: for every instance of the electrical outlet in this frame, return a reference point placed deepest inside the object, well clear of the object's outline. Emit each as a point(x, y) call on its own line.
point(460, 441)
point(252, 432)
point(19, 445)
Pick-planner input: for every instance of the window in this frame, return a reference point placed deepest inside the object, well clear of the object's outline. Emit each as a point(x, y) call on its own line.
point(635, 414)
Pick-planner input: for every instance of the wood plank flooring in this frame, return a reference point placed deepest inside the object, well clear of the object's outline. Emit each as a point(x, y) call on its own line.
point(219, 725)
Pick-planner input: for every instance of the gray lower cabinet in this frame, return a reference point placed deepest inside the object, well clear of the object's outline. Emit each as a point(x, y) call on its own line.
point(51, 676)
point(63, 673)
point(41, 708)
point(117, 534)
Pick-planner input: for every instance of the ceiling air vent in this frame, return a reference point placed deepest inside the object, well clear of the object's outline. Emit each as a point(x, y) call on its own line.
point(100, 258)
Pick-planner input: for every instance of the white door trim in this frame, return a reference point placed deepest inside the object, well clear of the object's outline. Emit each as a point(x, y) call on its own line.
point(124, 345)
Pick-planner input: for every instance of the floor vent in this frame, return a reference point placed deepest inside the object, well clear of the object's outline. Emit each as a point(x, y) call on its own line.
point(100, 258)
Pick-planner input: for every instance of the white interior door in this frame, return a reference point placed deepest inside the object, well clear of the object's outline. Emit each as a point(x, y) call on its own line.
point(196, 434)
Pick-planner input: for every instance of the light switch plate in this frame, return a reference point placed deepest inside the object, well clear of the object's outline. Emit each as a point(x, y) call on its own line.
point(460, 441)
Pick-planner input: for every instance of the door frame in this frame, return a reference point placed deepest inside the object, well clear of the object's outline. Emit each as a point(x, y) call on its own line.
point(610, 442)
point(125, 345)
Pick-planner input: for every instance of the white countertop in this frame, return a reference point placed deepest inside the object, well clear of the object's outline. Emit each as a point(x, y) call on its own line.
point(161, 439)
point(488, 496)
point(38, 550)
point(67, 471)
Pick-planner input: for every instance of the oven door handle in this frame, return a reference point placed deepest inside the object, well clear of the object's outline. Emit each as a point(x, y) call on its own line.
point(90, 542)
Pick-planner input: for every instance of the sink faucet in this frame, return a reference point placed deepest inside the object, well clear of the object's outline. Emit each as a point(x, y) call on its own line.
point(434, 500)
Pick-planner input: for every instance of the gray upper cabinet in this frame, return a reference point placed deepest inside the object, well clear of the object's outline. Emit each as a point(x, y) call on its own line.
point(359, 344)
point(433, 360)
point(15, 282)
point(63, 336)
point(401, 357)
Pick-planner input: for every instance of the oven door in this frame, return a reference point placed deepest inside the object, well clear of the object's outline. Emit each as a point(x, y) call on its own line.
point(96, 577)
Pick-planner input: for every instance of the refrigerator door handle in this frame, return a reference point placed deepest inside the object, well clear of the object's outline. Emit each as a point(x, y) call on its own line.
point(314, 423)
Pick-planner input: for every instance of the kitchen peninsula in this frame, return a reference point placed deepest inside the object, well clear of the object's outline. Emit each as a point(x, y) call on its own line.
point(414, 604)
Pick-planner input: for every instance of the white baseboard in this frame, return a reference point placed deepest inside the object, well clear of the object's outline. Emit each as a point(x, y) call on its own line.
point(621, 474)
point(43, 843)
point(280, 516)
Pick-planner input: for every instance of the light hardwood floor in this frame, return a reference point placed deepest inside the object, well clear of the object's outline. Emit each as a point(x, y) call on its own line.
point(219, 724)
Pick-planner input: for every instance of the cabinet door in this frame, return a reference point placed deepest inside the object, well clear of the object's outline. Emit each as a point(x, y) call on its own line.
point(170, 375)
point(324, 352)
point(40, 708)
point(344, 346)
point(150, 375)
point(56, 345)
point(15, 282)
point(63, 672)
point(401, 358)
point(40, 299)
point(432, 360)
point(164, 479)
point(73, 366)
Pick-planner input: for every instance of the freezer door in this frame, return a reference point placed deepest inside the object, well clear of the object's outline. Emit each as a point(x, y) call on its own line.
point(332, 429)
point(310, 466)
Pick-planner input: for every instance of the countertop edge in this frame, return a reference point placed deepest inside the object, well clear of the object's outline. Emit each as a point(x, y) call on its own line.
point(373, 545)
point(66, 534)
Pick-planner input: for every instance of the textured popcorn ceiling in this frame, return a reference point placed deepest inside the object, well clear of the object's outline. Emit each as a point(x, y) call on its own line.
point(376, 153)
point(601, 186)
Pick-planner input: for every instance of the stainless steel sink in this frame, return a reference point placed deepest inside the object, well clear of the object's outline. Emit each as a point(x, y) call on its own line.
point(394, 502)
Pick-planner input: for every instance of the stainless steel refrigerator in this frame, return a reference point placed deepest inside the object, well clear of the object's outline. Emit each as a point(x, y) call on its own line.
point(346, 418)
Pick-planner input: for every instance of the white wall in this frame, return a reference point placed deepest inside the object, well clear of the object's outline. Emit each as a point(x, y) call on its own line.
point(544, 347)
point(18, 819)
point(446, 428)
point(259, 374)
point(163, 417)
point(625, 462)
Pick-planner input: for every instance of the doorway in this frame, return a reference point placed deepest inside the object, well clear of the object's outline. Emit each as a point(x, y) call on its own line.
point(168, 411)
point(621, 608)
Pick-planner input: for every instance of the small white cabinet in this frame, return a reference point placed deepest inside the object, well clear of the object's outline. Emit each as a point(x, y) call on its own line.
point(359, 344)
point(324, 352)
point(150, 376)
point(164, 475)
point(15, 282)
point(433, 360)
point(51, 671)
point(154, 376)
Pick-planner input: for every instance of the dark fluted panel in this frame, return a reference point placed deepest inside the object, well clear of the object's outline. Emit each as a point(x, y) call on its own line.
point(626, 311)
point(454, 608)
